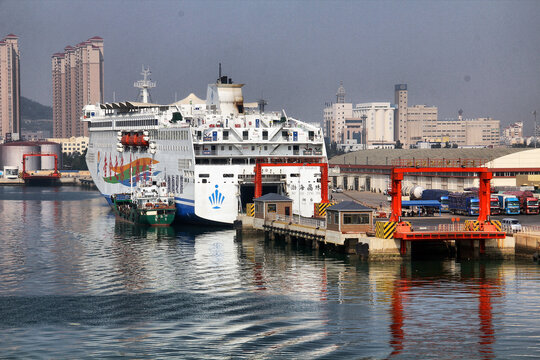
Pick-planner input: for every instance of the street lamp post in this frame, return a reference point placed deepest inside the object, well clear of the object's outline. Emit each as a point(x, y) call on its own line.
point(535, 127)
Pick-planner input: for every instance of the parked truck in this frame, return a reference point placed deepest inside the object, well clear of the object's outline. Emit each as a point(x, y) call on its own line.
point(439, 195)
point(528, 204)
point(494, 205)
point(463, 203)
point(509, 204)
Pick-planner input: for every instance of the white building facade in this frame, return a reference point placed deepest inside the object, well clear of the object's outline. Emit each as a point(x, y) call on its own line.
point(379, 121)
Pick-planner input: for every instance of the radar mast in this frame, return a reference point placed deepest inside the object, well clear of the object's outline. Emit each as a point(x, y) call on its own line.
point(145, 84)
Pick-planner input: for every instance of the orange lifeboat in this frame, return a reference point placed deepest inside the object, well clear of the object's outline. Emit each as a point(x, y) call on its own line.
point(125, 139)
point(134, 139)
point(143, 140)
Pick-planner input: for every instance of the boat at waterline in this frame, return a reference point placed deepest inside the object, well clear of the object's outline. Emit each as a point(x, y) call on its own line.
point(206, 150)
point(150, 204)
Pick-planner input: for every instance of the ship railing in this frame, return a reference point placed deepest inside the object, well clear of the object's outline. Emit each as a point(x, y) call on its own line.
point(299, 220)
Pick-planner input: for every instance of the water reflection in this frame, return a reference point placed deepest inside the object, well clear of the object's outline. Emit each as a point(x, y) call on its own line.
point(431, 308)
point(74, 277)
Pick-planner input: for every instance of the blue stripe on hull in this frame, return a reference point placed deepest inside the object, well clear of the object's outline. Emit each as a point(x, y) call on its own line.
point(186, 214)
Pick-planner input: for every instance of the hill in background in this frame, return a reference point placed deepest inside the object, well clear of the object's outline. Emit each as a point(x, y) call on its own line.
point(35, 116)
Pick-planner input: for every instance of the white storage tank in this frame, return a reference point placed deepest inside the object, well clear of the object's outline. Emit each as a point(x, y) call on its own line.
point(11, 154)
point(48, 147)
point(416, 192)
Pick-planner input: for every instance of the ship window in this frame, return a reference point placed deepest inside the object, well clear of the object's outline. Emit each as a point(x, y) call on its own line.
point(228, 175)
point(204, 181)
point(204, 175)
point(265, 135)
point(225, 135)
point(245, 135)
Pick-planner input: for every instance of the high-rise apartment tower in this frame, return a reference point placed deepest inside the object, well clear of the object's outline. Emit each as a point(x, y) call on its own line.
point(77, 79)
point(10, 90)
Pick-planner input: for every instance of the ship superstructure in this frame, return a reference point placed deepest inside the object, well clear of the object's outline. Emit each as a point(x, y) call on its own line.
point(206, 150)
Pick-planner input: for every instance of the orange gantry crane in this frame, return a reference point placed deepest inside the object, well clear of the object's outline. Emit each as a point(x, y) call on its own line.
point(483, 229)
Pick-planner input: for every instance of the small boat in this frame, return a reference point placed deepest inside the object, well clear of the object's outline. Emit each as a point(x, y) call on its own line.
point(149, 204)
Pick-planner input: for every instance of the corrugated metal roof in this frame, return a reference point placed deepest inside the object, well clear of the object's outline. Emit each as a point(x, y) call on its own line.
point(385, 156)
point(349, 206)
point(272, 197)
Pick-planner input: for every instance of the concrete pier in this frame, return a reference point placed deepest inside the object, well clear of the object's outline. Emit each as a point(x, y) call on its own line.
point(368, 247)
point(314, 234)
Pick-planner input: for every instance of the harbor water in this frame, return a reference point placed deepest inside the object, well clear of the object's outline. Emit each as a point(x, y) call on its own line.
point(77, 283)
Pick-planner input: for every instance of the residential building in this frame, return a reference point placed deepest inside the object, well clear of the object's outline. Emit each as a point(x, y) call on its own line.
point(513, 134)
point(77, 79)
point(10, 90)
point(72, 144)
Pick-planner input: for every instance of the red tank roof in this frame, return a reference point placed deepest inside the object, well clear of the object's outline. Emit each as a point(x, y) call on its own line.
point(12, 36)
point(96, 38)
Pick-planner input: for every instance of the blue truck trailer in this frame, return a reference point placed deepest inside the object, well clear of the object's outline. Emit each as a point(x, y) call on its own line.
point(439, 195)
point(464, 204)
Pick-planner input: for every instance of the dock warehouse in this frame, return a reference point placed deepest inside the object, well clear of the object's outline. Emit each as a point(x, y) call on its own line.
point(369, 170)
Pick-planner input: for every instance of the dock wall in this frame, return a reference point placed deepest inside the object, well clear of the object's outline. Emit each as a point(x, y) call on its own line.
point(527, 244)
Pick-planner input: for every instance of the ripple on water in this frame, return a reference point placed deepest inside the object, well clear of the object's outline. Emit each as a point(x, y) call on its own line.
point(74, 282)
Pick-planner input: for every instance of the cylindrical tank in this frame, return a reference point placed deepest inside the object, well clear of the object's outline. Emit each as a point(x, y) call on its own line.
point(11, 154)
point(416, 192)
point(47, 147)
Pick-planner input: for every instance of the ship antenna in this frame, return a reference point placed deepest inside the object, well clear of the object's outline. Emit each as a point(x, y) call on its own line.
point(145, 84)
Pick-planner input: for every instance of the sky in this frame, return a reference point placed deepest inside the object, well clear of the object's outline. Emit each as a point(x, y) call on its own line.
point(479, 56)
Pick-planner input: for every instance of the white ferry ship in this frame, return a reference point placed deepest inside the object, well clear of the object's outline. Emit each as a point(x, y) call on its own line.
point(206, 150)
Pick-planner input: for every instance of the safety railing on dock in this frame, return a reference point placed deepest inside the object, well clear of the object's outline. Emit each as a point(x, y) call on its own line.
point(528, 229)
point(440, 227)
point(299, 220)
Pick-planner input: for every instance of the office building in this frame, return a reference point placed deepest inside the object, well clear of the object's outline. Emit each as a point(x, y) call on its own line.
point(335, 115)
point(419, 119)
point(10, 91)
point(480, 132)
point(400, 118)
point(77, 79)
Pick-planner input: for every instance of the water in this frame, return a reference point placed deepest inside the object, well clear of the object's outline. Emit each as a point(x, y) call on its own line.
point(75, 283)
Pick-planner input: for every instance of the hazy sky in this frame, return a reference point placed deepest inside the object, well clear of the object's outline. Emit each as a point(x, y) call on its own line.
point(480, 56)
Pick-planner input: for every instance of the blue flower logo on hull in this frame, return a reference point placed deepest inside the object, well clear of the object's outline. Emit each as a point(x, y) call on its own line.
point(216, 199)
